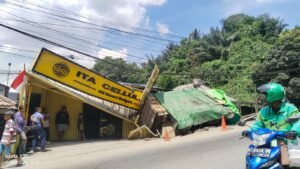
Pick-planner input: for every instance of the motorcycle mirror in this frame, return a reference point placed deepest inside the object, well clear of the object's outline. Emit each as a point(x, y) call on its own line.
point(241, 123)
point(292, 120)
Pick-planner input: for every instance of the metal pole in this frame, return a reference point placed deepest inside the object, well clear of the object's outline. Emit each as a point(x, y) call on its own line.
point(9, 64)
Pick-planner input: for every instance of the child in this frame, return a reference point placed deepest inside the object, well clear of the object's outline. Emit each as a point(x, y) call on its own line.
point(8, 136)
point(81, 127)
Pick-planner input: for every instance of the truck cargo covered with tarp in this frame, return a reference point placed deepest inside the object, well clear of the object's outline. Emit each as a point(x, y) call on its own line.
point(193, 107)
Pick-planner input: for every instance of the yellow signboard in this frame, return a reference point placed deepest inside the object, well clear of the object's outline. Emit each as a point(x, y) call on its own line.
point(62, 70)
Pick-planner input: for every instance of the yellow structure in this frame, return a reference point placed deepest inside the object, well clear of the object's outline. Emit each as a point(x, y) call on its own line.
point(114, 121)
point(71, 74)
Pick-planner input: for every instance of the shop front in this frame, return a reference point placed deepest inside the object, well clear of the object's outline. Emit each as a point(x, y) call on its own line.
point(100, 124)
point(102, 120)
point(110, 109)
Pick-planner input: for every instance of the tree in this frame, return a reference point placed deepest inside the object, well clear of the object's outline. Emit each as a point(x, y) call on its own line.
point(119, 70)
point(236, 57)
point(234, 23)
point(195, 35)
point(282, 64)
point(239, 47)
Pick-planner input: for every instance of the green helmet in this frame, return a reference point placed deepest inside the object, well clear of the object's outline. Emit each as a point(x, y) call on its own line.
point(274, 92)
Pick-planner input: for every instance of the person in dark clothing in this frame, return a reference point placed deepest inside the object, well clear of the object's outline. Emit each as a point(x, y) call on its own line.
point(46, 122)
point(62, 122)
point(80, 126)
point(21, 134)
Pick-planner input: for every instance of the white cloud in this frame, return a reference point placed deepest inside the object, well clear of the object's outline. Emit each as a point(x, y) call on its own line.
point(150, 2)
point(147, 23)
point(247, 6)
point(122, 14)
point(112, 53)
point(162, 28)
point(68, 2)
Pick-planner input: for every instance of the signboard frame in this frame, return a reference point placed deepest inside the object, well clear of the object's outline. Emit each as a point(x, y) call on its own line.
point(133, 90)
point(150, 83)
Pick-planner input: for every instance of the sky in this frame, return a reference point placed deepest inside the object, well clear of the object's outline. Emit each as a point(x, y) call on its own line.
point(128, 29)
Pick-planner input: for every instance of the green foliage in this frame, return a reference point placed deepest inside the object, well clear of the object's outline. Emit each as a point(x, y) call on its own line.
point(236, 58)
point(167, 82)
point(283, 59)
point(225, 57)
point(118, 73)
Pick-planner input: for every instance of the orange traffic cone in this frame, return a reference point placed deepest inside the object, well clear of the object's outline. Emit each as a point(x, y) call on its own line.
point(166, 135)
point(224, 126)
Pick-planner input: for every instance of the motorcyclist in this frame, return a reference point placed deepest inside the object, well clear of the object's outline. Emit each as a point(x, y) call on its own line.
point(274, 115)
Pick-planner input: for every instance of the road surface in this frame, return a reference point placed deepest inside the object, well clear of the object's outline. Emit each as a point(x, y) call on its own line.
point(212, 149)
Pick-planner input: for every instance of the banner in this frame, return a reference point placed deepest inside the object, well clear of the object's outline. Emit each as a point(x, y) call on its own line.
point(71, 74)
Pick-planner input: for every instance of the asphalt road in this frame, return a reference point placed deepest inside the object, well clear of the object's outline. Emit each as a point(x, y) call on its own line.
point(225, 152)
point(211, 149)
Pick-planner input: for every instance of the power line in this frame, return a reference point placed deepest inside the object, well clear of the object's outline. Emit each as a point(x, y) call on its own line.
point(210, 74)
point(62, 46)
point(73, 44)
point(32, 52)
point(106, 27)
point(119, 40)
point(123, 40)
point(206, 74)
point(98, 18)
point(16, 54)
point(71, 36)
point(215, 74)
point(24, 50)
point(79, 27)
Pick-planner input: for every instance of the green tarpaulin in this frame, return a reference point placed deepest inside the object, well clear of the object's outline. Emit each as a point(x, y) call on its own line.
point(193, 107)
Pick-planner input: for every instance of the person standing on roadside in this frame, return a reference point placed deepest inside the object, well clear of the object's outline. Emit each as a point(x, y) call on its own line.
point(46, 122)
point(80, 126)
point(62, 122)
point(8, 136)
point(21, 133)
point(37, 130)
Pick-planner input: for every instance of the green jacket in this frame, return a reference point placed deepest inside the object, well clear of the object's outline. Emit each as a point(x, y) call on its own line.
point(267, 115)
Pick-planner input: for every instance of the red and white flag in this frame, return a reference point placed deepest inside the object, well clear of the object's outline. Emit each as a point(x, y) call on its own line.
point(19, 81)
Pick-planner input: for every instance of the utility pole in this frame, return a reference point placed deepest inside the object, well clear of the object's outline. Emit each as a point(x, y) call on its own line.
point(9, 64)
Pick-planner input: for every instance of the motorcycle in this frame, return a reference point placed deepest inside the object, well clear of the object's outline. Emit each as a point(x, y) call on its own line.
point(264, 152)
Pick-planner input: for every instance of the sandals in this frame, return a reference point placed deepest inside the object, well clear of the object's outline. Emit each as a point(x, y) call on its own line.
point(20, 163)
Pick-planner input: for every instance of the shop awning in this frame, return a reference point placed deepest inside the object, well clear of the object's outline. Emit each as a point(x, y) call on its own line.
point(111, 108)
point(6, 103)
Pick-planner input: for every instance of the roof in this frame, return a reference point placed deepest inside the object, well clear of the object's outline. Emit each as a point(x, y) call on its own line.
point(6, 103)
point(139, 86)
point(201, 87)
point(111, 108)
point(190, 86)
point(3, 85)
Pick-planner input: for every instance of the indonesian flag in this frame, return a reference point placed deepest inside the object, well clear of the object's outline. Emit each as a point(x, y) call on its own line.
point(19, 81)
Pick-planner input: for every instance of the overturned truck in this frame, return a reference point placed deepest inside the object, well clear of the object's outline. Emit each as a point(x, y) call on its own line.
point(190, 107)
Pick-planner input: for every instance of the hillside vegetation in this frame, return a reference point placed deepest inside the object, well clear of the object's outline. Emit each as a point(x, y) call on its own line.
point(243, 53)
